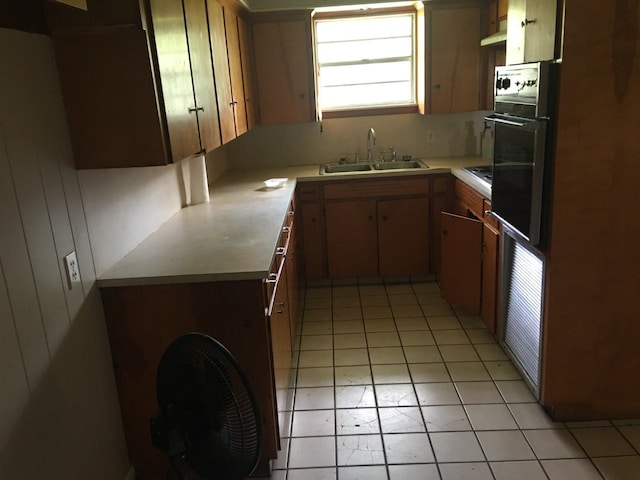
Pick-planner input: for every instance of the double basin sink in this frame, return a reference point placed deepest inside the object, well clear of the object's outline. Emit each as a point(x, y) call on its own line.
point(370, 167)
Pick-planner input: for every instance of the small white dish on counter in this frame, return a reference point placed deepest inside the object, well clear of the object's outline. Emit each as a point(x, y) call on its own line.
point(275, 182)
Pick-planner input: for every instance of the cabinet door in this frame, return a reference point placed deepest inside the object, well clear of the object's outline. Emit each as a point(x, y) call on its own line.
point(283, 71)
point(461, 259)
point(352, 240)
point(531, 31)
point(103, 75)
point(403, 237)
point(218, 41)
point(281, 346)
point(246, 59)
point(455, 59)
point(490, 247)
point(202, 73)
point(312, 238)
point(235, 69)
point(293, 282)
point(175, 76)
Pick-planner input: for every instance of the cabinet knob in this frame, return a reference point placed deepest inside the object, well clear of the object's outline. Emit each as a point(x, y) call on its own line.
point(370, 217)
point(280, 251)
point(444, 232)
point(526, 22)
point(384, 217)
point(437, 86)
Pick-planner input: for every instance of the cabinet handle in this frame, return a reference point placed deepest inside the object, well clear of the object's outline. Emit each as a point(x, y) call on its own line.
point(234, 103)
point(281, 305)
point(527, 22)
point(272, 278)
point(286, 229)
point(196, 109)
point(488, 213)
point(280, 251)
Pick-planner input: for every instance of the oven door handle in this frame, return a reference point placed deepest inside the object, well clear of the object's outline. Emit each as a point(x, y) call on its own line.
point(514, 122)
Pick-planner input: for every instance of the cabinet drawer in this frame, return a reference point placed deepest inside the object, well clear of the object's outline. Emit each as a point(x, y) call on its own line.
point(470, 198)
point(308, 193)
point(379, 188)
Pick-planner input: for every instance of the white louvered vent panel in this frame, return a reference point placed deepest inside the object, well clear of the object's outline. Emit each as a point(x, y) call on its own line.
point(524, 309)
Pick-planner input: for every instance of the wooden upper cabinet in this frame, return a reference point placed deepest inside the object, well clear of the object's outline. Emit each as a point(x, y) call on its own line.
point(248, 75)
point(235, 69)
point(284, 68)
point(137, 81)
point(175, 76)
point(206, 105)
point(111, 127)
point(81, 4)
point(218, 40)
point(453, 46)
point(531, 31)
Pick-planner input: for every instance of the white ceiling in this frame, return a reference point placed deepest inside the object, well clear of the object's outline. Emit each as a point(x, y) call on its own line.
point(262, 5)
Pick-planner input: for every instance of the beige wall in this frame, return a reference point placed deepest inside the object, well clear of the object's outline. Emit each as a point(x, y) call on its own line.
point(316, 143)
point(59, 416)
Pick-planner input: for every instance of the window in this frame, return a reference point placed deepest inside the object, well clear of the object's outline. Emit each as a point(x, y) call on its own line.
point(366, 60)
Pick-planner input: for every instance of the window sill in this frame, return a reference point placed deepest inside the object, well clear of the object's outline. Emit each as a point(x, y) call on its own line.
point(365, 112)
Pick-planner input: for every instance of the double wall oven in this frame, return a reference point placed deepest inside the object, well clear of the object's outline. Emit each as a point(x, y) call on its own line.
point(523, 146)
point(520, 198)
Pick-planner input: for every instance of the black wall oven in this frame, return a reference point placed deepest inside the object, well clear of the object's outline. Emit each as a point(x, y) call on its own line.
point(523, 147)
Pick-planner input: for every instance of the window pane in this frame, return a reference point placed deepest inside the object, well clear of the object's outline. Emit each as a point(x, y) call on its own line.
point(355, 51)
point(366, 95)
point(366, 61)
point(365, 74)
point(363, 28)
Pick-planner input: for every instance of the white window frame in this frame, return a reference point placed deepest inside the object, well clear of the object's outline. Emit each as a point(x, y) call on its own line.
point(416, 70)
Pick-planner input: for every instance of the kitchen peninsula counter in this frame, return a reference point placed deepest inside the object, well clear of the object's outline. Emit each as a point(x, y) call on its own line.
point(234, 235)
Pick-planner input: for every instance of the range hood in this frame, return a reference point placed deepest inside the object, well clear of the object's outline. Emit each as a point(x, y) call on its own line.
point(494, 39)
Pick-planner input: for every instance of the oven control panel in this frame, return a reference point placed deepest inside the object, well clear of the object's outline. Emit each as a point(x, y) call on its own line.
point(517, 81)
point(523, 88)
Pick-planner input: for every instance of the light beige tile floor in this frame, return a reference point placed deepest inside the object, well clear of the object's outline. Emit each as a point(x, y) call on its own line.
point(392, 384)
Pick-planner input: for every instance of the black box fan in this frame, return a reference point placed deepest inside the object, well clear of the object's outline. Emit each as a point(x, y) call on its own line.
point(209, 423)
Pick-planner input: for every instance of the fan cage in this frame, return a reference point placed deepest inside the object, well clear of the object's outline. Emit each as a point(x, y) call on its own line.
point(209, 400)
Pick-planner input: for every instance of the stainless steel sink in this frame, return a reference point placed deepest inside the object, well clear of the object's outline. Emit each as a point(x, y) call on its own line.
point(399, 165)
point(345, 168)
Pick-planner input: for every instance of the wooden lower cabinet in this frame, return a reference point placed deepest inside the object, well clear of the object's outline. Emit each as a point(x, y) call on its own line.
point(470, 244)
point(352, 243)
point(461, 263)
point(314, 251)
point(403, 237)
point(490, 274)
point(251, 318)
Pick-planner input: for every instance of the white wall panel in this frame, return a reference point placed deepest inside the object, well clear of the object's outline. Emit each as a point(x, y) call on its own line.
point(17, 272)
point(25, 111)
point(58, 401)
point(12, 375)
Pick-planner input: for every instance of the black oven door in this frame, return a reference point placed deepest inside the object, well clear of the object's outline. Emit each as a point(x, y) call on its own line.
point(518, 174)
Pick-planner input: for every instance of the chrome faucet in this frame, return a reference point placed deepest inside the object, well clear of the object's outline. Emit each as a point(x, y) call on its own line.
point(371, 140)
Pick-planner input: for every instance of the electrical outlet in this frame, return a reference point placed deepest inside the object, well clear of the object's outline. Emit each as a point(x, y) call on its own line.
point(73, 271)
point(430, 136)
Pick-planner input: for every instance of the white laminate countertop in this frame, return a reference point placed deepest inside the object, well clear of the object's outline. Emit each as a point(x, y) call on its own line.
point(234, 235)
